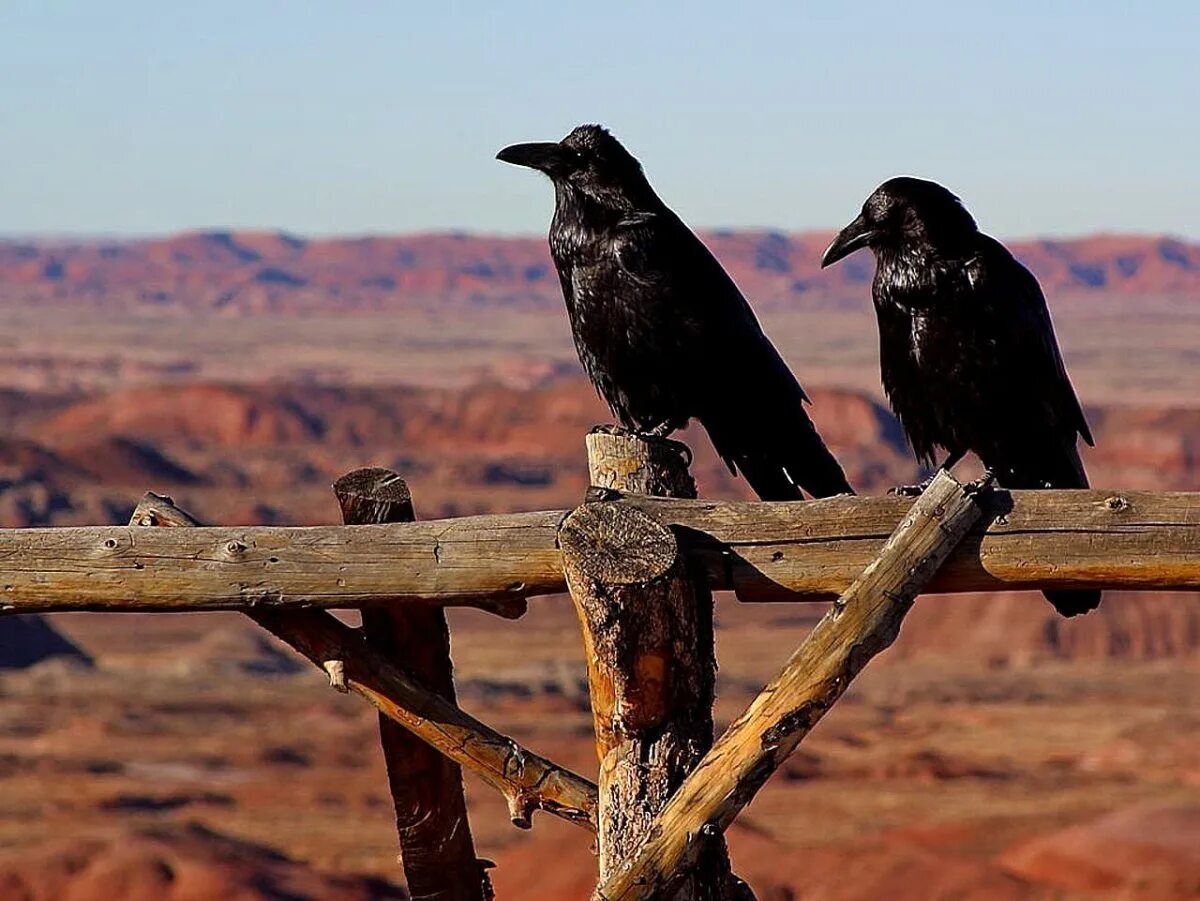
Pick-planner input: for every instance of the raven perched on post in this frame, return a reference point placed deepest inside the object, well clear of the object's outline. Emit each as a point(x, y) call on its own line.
point(967, 350)
point(660, 327)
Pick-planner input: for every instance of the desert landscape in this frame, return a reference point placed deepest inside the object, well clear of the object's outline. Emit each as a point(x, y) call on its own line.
point(996, 752)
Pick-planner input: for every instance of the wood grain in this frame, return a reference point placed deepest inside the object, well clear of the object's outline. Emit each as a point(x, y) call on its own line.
point(863, 622)
point(648, 641)
point(528, 781)
point(804, 550)
point(436, 847)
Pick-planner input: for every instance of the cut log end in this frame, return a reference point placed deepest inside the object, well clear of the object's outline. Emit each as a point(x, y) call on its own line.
point(617, 545)
point(373, 494)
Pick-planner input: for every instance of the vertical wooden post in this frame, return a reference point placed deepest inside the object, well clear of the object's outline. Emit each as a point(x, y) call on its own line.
point(436, 847)
point(648, 637)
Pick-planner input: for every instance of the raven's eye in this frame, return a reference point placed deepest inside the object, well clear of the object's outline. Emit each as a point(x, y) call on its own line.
point(579, 161)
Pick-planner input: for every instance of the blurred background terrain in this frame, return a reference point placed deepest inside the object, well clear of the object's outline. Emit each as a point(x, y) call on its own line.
point(995, 752)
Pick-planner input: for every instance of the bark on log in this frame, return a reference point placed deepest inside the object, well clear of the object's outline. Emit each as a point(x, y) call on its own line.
point(648, 640)
point(631, 464)
point(805, 550)
point(436, 848)
point(863, 622)
point(528, 781)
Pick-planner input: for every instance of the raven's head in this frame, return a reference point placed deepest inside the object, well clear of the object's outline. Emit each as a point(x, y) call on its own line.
point(589, 161)
point(900, 212)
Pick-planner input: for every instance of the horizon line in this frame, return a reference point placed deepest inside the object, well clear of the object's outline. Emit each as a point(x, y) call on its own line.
point(459, 233)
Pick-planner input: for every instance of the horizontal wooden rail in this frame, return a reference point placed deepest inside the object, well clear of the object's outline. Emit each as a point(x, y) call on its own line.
point(765, 551)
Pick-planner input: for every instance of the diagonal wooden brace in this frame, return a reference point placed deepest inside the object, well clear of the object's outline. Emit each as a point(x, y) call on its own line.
point(863, 621)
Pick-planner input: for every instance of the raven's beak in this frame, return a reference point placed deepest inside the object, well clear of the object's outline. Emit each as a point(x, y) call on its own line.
point(544, 157)
point(854, 236)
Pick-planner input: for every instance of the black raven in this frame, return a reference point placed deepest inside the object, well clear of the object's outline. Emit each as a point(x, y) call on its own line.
point(662, 330)
point(967, 350)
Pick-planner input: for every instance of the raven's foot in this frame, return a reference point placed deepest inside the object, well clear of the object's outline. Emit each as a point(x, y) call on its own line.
point(610, 428)
point(657, 435)
point(981, 484)
point(662, 430)
point(910, 490)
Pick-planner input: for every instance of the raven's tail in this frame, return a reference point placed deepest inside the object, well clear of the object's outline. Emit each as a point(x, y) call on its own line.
point(1062, 471)
point(1073, 603)
point(779, 460)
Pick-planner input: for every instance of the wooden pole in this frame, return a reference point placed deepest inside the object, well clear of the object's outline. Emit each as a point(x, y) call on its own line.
point(648, 639)
point(862, 623)
point(436, 848)
point(804, 550)
point(629, 464)
point(528, 781)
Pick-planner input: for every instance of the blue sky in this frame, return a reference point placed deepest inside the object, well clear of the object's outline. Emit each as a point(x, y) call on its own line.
point(368, 116)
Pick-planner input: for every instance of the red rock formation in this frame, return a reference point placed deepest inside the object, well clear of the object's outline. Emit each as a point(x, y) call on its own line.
point(171, 863)
point(1140, 854)
point(866, 868)
point(254, 272)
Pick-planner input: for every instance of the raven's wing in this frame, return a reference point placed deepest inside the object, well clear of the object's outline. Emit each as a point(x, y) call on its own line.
point(1026, 340)
point(1046, 416)
point(734, 379)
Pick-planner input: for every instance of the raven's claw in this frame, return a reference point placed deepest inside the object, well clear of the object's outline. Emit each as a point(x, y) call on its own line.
point(910, 490)
point(981, 484)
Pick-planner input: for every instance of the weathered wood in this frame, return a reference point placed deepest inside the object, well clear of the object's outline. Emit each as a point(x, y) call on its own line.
point(436, 847)
point(528, 781)
point(648, 640)
point(862, 623)
point(631, 464)
point(804, 550)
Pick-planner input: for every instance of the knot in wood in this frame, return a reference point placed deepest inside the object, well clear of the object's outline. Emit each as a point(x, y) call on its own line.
point(615, 544)
point(1116, 504)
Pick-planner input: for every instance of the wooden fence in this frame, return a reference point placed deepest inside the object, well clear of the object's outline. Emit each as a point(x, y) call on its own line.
point(640, 559)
